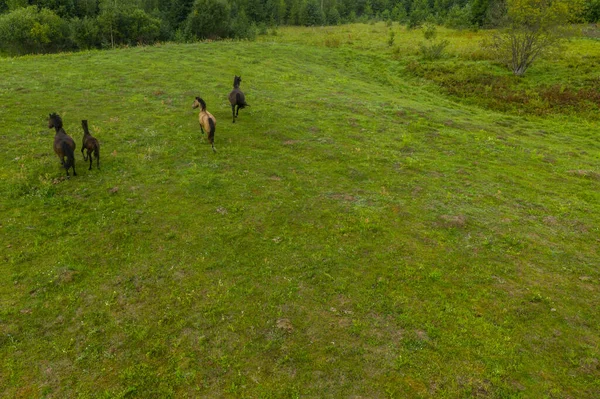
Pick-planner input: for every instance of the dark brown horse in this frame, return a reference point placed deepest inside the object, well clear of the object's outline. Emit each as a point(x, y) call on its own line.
point(207, 121)
point(91, 145)
point(237, 98)
point(64, 146)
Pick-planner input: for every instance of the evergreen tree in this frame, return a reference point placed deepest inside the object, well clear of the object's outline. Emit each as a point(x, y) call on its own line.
point(311, 14)
point(478, 12)
point(208, 19)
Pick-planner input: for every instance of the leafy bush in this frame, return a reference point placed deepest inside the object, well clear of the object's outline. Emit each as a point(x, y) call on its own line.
point(429, 31)
point(208, 19)
point(29, 30)
point(399, 13)
point(333, 16)
point(85, 33)
point(311, 14)
point(242, 28)
point(129, 25)
point(140, 27)
point(592, 11)
point(391, 38)
point(459, 17)
point(433, 50)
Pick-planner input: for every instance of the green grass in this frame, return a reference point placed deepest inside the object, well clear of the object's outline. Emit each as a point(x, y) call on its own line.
point(358, 234)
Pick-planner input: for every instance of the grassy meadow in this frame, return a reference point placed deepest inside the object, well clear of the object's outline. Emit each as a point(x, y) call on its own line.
point(364, 231)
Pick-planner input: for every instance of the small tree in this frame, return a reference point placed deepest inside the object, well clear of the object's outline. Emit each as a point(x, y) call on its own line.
point(311, 14)
point(399, 13)
point(479, 10)
point(459, 17)
point(592, 11)
point(29, 30)
point(85, 33)
point(333, 16)
point(208, 19)
point(534, 27)
point(432, 49)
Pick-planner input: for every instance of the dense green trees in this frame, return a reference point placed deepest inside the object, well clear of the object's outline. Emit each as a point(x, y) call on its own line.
point(53, 25)
point(30, 30)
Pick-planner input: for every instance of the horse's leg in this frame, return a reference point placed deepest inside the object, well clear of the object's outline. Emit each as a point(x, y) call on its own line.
point(237, 111)
point(90, 157)
point(233, 112)
point(98, 159)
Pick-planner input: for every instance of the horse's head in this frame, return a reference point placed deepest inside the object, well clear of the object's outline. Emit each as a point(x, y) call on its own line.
point(236, 81)
point(54, 121)
point(198, 102)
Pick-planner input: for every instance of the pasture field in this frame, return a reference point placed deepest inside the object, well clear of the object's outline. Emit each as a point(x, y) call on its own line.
point(361, 231)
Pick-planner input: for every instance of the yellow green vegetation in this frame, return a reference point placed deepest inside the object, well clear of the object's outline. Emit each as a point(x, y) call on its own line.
point(362, 231)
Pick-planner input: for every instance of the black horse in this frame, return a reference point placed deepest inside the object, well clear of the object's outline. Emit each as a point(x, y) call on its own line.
point(64, 145)
point(236, 97)
point(91, 145)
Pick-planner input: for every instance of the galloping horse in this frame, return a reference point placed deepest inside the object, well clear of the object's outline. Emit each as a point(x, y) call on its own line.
point(91, 145)
point(207, 121)
point(236, 97)
point(64, 146)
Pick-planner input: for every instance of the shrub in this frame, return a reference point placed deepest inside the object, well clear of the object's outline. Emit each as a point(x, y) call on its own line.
point(386, 15)
point(85, 33)
point(311, 14)
point(140, 27)
point(129, 25)
point(459, 17)
point(429, 31)
point(333, 16)
point(208, 19)
point(433, 50)
point(592, 11)
point(29, 30)
point(391, 37)
point(242, 28)
point(262, 29)
point(399, 14)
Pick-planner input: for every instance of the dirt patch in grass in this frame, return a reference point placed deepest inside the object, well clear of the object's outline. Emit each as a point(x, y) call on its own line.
point(453, 221)
point(585, 173)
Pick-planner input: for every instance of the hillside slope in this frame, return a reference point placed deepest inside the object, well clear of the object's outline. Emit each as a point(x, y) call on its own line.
point(357, 234)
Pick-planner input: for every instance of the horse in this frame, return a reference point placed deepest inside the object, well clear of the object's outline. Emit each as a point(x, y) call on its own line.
point(64, 145)
point(90, 144)
point(207, 121)
point(236, 97)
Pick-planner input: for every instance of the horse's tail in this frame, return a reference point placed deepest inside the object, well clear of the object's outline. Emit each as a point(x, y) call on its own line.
point(240, 100)
point(211, 133)
point(68, 152)
point(97, 153)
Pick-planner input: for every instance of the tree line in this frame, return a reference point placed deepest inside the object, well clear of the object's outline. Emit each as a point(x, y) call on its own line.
point(41, 26)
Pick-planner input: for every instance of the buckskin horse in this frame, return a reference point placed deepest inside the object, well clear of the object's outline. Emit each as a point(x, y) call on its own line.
point(207, 121)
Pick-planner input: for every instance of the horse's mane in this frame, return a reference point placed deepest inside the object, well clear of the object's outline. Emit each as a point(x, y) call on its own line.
point(202, 103)
point(236, 81)
point(57, 120)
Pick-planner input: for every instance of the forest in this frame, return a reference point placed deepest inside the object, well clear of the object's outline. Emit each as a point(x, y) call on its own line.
point(46, 26)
